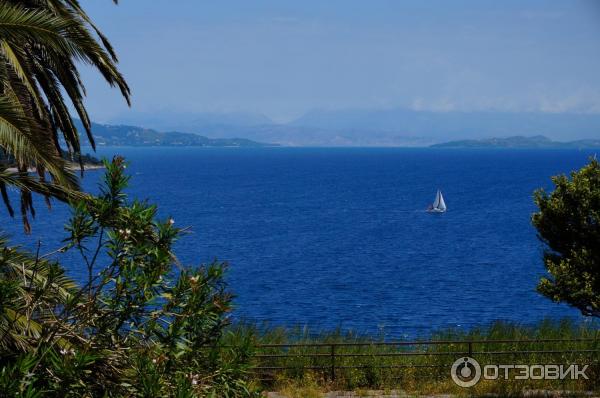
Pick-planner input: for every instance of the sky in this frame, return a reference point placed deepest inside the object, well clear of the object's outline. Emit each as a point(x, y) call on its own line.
point(283, 58)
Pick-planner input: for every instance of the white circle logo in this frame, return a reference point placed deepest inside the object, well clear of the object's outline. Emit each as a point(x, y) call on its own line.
point(465, 372)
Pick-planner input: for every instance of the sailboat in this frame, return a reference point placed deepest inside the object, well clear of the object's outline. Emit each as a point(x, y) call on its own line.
point(438, 206)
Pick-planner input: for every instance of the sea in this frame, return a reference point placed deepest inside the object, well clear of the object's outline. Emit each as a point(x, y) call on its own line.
point(329, 238)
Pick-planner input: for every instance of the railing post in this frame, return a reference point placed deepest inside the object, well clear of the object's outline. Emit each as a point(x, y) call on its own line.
point(332, 362)
point(470, 349)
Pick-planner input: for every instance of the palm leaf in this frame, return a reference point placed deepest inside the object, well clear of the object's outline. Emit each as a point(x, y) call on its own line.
point(41, 42)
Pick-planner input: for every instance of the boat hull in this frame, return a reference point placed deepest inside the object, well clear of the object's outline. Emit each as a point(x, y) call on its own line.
point(436, 211)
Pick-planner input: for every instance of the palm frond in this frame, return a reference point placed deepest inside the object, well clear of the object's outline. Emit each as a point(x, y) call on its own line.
point(17, 138)
point(41, 42)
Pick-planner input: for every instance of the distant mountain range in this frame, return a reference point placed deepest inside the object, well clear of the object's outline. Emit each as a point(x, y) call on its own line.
point(122, 135)
point(361, 127)
point(538, 141)
point(445, 126)
point(191, 122)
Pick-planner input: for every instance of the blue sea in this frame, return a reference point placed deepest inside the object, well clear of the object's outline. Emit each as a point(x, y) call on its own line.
point(339, 237)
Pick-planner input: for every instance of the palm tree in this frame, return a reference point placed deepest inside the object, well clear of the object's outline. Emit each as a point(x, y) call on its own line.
point(31, 290)
point(41, 44)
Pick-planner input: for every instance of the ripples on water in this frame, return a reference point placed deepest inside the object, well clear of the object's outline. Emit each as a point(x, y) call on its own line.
point(339, 237)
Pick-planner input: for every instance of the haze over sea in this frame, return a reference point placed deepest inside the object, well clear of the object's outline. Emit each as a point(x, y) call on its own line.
point(330, 237)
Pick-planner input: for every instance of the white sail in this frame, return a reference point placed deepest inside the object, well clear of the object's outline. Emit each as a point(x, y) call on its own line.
point(438, 205)
point(436, 202)
point(441, 205)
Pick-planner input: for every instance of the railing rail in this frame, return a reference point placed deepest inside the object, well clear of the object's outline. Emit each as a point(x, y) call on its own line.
point(428, 342)
point(330, 358)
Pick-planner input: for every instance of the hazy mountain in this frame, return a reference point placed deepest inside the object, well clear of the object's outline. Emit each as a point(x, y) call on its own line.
point(310, 136)
point(191, 122)
point(123, 135)
point(394, 127)
point(519, 142)
point(455, 125)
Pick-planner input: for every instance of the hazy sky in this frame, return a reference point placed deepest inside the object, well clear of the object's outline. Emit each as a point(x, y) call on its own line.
point(283, 58)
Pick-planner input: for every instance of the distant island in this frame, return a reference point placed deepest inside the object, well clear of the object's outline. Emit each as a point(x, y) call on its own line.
point(538, 141)
point(393, 127)
point(123, 135)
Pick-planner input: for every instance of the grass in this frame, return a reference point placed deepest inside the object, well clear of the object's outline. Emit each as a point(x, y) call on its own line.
point(419, 368)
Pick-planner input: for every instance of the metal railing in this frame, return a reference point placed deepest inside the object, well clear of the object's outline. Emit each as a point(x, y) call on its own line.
point(329, 359)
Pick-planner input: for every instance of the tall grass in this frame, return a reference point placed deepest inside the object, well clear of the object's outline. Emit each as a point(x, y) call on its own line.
point(363, 362)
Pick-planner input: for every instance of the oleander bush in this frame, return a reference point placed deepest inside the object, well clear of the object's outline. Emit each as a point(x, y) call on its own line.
point(140, 324)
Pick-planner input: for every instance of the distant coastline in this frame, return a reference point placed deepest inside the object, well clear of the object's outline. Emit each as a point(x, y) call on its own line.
point(71, 167)
point(123, 135)
point(534, 142)
point(88, 162)
point(134, 136)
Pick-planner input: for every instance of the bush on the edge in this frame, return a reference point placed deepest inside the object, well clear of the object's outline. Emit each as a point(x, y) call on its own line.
point(568, 222)
point(140, 324)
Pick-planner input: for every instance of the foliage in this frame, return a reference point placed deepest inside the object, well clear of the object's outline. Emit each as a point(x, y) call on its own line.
point(568, 222)
point(140, 324)
point(361, 362)
point(41, 43)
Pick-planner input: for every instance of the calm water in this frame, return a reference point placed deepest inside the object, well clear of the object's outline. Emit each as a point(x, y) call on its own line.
point(339, 237)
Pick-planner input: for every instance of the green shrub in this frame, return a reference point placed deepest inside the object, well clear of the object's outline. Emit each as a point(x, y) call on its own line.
point(141, 324)
point(568, 223)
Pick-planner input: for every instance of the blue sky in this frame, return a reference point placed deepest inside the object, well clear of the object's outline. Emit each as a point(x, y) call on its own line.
point(283, 58)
